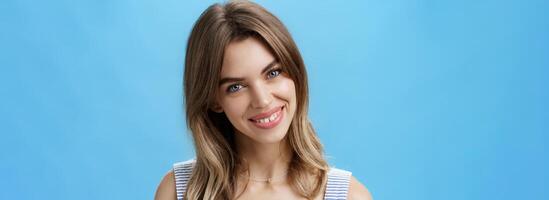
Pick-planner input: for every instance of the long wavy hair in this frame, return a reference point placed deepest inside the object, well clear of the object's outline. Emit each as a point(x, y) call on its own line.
point(213, 176)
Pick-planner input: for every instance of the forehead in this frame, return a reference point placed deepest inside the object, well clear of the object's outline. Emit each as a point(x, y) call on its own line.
point(245, 56)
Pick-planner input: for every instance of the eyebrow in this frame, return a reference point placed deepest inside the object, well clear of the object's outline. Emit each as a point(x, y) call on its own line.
point(233, 79)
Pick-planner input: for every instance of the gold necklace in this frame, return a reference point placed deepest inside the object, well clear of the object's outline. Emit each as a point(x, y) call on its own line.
point(268, 180)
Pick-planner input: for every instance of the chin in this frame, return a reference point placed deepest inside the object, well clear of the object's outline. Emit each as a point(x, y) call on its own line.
point(272, 139)
point(268, 136)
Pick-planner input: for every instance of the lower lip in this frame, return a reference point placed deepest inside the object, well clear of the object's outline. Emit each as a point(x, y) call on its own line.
point(271, 124)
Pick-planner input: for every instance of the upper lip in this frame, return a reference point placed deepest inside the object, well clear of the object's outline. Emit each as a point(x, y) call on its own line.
point(266, 114)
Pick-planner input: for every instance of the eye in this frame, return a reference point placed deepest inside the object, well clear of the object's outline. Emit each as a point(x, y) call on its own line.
point(274, 73)
point(234, 88)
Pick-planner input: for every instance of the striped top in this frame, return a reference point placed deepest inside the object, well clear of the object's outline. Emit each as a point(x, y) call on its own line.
point(336, 187)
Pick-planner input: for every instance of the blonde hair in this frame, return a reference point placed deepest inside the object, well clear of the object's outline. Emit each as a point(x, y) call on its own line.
point(213, 176)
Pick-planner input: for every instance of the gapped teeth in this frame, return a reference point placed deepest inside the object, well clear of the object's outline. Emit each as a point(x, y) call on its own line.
point(268, 119)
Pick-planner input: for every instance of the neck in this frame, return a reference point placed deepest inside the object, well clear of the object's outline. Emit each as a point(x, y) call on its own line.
point(264, 161)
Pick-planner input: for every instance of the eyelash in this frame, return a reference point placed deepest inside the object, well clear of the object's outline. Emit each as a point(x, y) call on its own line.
point(270, 75)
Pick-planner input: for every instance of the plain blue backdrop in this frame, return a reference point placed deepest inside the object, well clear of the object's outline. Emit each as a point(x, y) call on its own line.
point(421, 99)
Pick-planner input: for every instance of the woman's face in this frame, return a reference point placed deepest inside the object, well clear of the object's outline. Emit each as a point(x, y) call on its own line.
point(257, 97)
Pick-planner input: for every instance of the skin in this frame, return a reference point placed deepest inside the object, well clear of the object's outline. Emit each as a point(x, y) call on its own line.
point(266, 152)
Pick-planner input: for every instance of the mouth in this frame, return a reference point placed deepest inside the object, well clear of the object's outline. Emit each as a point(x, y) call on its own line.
point(268, 119)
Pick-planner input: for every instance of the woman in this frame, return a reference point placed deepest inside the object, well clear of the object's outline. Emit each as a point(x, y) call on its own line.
point(246, 104)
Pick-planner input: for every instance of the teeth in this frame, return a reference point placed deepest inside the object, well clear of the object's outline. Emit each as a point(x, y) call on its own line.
point(268, 119)
point(272, 117)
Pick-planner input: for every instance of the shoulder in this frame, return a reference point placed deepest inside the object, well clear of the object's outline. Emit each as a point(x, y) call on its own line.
point(166, 188)
point(357, 191)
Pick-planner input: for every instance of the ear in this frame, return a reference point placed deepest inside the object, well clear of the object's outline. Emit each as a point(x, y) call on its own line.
point(216, 108)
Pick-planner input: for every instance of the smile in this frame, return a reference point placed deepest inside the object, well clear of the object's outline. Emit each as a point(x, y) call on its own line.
point(269, 119)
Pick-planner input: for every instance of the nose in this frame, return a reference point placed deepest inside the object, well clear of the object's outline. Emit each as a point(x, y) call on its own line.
point(261, 96)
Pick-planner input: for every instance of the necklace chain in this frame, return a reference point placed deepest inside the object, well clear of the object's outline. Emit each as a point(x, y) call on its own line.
point(268, 180)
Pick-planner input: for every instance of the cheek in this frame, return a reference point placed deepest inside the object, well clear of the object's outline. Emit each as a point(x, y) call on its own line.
point(234, 108)
point(286, 88)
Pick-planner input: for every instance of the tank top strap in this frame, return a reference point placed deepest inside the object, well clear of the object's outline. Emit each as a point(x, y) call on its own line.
point(182, 172)
point(337, 185)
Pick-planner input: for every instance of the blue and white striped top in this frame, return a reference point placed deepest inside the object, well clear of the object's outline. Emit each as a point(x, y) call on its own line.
point(336, 187)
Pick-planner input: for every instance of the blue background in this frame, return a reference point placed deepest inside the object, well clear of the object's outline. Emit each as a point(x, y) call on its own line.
point(420, 99)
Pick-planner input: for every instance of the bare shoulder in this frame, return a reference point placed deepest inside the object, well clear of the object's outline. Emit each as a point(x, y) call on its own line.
point(166, 188)
point(357, 191)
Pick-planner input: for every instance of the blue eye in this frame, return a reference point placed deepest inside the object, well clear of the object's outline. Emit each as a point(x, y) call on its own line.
point(274, 73)
point(234, 88)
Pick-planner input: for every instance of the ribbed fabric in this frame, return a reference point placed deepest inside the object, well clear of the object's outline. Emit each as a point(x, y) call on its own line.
point(182, 172)
point(336, 187)
point(338, 184)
